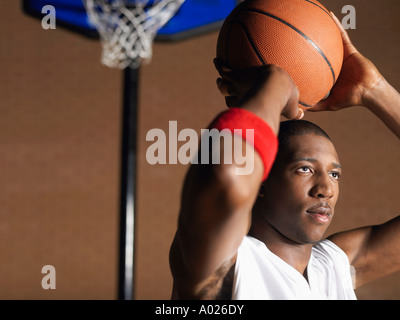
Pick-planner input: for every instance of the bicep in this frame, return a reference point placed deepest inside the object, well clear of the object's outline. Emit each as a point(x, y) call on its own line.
point(373, 251)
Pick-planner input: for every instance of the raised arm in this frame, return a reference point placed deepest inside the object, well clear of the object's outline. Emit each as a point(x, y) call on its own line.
point(373, 251)
point(361, 84)
point(216, 203)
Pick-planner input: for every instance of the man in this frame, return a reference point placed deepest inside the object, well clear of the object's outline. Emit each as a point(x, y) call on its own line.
point(260, 236)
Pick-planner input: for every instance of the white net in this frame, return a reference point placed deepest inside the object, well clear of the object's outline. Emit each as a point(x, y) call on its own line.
point(127, 28)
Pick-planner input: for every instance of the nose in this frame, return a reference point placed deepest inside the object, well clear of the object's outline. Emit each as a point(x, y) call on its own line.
point(323, 187)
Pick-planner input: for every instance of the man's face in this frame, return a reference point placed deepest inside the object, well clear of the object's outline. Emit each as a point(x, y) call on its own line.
point(302, 190)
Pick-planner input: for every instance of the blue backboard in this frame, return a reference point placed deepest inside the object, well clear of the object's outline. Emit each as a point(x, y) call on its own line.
point(193, 18)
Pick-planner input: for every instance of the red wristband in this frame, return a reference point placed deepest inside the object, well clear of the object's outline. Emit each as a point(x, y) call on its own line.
point(265, 141)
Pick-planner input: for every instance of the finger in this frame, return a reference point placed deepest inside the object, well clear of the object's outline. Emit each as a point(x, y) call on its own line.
point(222, 87)
point(293, 110)
point(294, 114)
point(320, 106)
point(227, 88)
point(348, 46)
point(220, 66)
point(300, 114)
point(217, 64)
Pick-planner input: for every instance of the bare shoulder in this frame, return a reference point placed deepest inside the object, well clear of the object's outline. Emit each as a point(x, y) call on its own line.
point(352, 242)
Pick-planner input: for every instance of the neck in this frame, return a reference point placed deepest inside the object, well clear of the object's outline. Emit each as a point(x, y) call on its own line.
point(295, 254)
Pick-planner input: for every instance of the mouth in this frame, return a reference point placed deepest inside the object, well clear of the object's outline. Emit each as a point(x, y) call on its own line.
point(321, 213)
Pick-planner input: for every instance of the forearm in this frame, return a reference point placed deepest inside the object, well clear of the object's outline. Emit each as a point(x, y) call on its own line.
point(382, 252)
point(215, 214)
point(267, 91)
point(384, 101)
point(218, 196)
point(279, 92)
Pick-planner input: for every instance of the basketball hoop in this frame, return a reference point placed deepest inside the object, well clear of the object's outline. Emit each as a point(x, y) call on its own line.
point(127, 28)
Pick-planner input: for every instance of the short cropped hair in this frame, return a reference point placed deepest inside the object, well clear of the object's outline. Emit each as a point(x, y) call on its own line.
point(291, 128)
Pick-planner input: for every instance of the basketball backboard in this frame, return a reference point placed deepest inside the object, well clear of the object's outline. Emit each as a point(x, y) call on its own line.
point(194, 17)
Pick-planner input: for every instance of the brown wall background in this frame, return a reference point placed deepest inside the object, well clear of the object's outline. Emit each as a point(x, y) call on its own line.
point(60, 113)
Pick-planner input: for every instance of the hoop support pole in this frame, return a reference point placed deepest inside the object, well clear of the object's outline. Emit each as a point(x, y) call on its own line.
point(128, 185)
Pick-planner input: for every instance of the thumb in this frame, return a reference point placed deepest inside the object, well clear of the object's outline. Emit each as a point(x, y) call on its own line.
point(323, 105)
point(300, 114)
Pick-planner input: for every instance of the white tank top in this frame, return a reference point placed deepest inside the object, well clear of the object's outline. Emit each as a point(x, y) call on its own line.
point(262, 275)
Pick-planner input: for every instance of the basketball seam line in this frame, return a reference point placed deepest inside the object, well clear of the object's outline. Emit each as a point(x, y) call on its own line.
point(304, 104)
point(300, 33)
point(228, 38)
point(323, 9)
point(255, 49)
point(253, 45)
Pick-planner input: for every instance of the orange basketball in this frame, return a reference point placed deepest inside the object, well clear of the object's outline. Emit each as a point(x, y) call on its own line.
point(298, 35)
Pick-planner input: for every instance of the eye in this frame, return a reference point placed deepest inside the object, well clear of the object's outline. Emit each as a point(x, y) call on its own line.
point(335, 175)
point(304, 169)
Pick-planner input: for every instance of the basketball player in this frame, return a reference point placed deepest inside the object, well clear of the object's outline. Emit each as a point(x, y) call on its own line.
point(261, 236)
